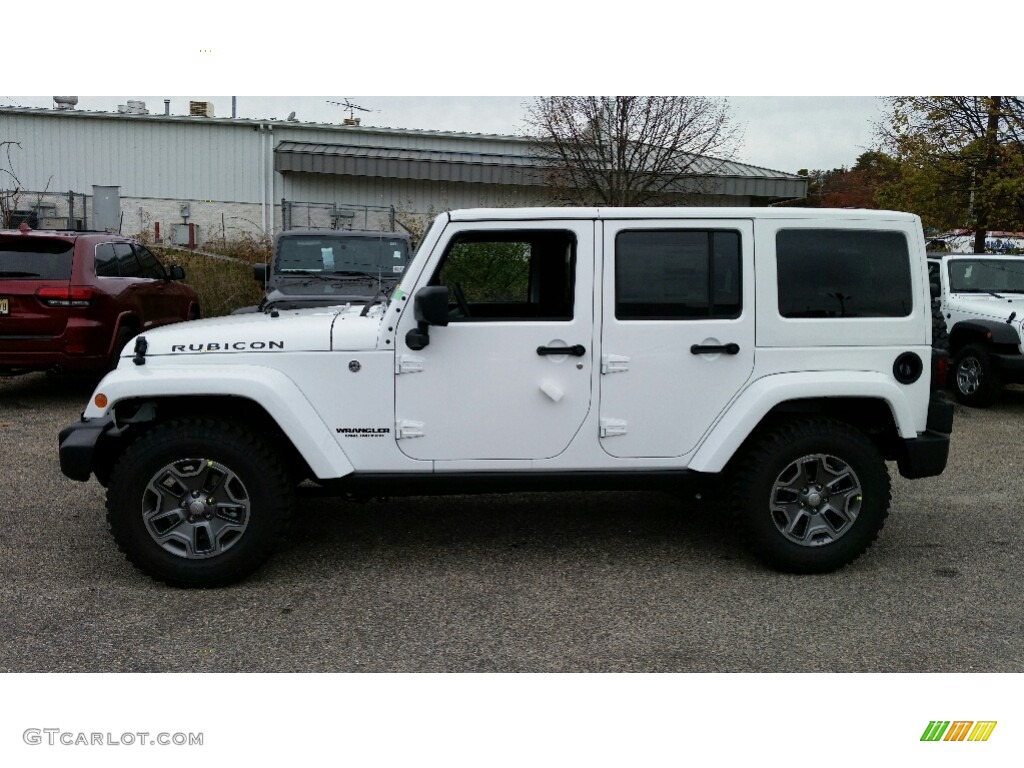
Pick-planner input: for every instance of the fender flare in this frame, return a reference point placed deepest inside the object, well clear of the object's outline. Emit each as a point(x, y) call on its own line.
point(272, 390)
point(747, 411)
point(994, 331)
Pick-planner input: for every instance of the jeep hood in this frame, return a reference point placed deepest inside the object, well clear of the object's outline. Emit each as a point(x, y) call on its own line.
point(985, 305)
point(307, 330)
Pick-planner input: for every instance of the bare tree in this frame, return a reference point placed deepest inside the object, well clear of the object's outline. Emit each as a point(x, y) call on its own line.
point(10, 186)
point(632, 150)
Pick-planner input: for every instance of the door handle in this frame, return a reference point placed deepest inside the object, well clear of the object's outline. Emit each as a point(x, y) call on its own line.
point(576, 350)
point(714, 349)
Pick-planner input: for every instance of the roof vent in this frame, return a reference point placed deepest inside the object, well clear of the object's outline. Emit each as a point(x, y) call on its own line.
point(351, 121)
point(65, 102)
point(200, 108)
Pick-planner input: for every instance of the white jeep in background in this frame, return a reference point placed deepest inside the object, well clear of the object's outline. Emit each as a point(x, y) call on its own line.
point(786, 350)
point(982, 303)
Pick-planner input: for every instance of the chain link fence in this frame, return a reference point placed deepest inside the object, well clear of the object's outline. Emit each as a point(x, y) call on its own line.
point(46, 210)
point(304, 215)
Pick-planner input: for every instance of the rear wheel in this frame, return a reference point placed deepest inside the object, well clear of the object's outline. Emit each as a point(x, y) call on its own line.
point(975, 379)
point(810, 497)
point(198, 503)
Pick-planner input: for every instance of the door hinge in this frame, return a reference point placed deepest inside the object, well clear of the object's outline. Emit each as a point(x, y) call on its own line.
point(409, 364)
point(406, 429)
point(614, 363)
point(613, 427)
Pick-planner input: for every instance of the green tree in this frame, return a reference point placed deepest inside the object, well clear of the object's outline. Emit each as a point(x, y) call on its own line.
point(631, 150)
point(960, 160)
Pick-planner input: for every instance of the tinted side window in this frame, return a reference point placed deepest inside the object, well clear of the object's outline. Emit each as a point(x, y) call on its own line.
point(150, 266)
point(843, 273)
point(106, 261)
point(127, 264)
point(510, 275)
point(677, 275)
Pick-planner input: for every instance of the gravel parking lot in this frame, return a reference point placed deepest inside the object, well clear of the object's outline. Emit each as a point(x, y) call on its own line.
point(637, 582)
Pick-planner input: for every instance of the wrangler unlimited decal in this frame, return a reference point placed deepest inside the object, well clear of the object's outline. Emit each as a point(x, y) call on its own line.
point(363, 431)
point(228, 346)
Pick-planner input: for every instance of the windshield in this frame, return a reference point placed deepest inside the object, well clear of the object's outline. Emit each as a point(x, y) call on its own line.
point(338, 254)
point(986, 276)
point(28, 258)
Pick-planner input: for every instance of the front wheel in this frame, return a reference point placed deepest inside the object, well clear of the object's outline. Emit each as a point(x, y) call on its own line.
point(810, 497)
point(198, 503)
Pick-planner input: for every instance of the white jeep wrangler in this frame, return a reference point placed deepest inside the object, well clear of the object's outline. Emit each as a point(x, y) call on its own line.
point(982, 302)
point(543, 349)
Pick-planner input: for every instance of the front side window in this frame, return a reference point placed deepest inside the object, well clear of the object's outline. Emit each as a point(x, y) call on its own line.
point(843, 273)
point(521, 275)
point(150, 266)
point(677, 275)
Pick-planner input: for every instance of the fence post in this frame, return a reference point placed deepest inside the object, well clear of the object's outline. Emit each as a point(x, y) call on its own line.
point(71, 210)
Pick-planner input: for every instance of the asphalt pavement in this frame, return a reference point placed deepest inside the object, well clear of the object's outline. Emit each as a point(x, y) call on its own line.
point(581, 582)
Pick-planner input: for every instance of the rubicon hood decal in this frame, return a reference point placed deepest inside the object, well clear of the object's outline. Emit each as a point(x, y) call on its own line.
point(229, 346)
point(308, 330)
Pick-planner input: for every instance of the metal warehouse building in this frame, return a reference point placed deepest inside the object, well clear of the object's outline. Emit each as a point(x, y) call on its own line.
point(141, 172)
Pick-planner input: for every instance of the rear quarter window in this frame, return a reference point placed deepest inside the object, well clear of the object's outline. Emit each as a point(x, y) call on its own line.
point(35, 259)
point(843, 273)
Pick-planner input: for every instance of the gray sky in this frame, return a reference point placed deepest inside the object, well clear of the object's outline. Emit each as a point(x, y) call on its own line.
point(783, 133)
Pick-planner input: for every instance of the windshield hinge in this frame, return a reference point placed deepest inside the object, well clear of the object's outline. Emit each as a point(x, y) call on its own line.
point(409, 364)
point(405, 429)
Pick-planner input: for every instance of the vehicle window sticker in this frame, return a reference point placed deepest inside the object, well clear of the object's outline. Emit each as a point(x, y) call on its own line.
point(328, 257)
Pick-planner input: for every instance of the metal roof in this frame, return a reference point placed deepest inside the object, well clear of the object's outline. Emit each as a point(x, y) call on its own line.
point(395, 163)
point(715, 176)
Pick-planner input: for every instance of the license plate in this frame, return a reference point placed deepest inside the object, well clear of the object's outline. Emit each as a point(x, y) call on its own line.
point(5, 306)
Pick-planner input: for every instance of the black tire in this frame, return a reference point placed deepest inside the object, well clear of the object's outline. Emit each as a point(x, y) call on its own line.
point(976, 382)
point(810, 497)
point(224, 502)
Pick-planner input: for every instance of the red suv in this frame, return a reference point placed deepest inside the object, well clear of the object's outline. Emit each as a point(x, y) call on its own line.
point(71, 300)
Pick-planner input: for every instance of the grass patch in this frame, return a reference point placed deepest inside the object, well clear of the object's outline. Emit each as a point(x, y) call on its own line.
point(223, 286)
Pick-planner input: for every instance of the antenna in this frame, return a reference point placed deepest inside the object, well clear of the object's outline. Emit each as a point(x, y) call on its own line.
point(346, 104)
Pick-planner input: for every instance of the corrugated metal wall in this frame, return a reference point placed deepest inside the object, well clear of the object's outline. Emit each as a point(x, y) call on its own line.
point(145, 157)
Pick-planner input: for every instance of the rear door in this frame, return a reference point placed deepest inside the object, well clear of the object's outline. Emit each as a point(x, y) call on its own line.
point(678, 334)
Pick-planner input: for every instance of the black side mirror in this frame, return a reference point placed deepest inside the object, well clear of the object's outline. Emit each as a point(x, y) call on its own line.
point(935, 288)
point(430, 307)
point(259, 273)
point(176, 273)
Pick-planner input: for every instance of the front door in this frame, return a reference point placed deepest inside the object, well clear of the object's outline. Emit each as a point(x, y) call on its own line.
point(509, 377)
point(678, 335)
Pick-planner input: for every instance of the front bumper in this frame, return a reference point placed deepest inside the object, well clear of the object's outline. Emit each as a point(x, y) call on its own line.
point(926, 454)
point(77, 445)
